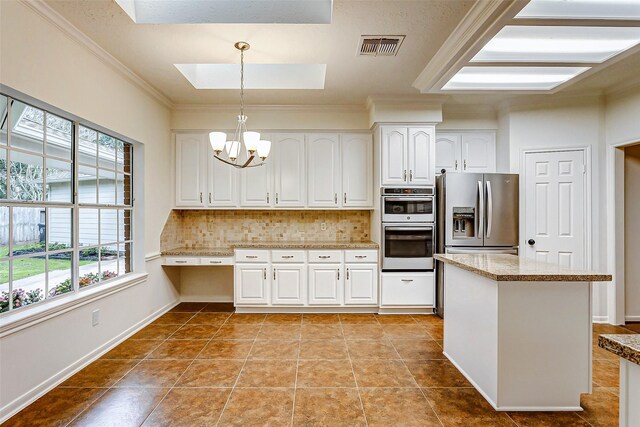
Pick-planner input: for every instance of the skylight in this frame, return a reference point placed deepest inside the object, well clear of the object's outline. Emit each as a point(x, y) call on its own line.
point(512, 78)
point(581, 9)
point(228, 11)
point(257, 76)
point(558, 44)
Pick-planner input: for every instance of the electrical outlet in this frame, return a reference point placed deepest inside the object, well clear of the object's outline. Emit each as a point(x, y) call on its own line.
point(323, 226)
point(95, 317)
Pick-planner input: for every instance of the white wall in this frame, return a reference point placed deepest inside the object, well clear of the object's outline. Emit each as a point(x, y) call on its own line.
point(632, 232)
point(41, 60)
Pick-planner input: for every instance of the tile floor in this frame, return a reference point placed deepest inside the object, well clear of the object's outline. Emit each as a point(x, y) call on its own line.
point(199, 366)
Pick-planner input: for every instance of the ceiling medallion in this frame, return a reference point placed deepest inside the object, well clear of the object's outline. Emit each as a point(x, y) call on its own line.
point(241, 151)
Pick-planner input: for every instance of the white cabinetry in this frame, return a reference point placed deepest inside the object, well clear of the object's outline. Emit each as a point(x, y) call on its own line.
point(325, 284)
point(407, 155)
point(290, 170)
point(190, 182)
point(357, 170)
point(289, 284)
point(407, 289)
point(468, 151)
point(361, 284)
point(324, 177)
point(252, 284)
point(222, 184)
point(256, 186)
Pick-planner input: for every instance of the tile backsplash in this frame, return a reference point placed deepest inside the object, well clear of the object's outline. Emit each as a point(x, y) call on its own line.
point(212, 228)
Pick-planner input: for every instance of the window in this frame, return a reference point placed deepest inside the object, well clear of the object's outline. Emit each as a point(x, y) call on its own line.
point(66, 205)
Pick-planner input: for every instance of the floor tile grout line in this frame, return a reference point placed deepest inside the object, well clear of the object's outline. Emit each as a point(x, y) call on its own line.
point(419, 386)
point(353, 372)
point(295, 384)
point(233, 388)
point(187, 368)
point(128, 371)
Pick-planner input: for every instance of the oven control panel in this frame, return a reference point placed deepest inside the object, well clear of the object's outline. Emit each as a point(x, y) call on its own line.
point(427, 191)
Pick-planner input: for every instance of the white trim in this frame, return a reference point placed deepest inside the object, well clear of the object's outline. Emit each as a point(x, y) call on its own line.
point(30, 316)
point(586, 150)
point(44, 387)
point(308, 309)
point(152, 256)
point(632, 318)
point(600, 319)
point(269, 107)
point(68, 29)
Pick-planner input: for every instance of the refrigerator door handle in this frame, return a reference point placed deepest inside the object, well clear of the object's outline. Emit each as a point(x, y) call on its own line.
point(489, 209)
point(480, 214)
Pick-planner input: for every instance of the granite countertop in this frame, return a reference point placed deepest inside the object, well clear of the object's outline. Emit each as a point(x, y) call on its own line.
point(626, 346)
point(512, 268)
point(295, 244)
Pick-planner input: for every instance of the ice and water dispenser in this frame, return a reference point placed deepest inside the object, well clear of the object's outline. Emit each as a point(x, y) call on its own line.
point(464, 221)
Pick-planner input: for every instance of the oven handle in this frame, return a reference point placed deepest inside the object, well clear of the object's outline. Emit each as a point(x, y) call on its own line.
point(409, 199)
point(428, 227)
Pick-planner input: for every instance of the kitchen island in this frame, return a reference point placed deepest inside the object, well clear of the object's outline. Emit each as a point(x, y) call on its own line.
point(628, 348)
point(519, 330)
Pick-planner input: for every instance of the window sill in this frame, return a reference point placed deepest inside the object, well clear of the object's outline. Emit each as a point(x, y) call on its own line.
point(29, 316)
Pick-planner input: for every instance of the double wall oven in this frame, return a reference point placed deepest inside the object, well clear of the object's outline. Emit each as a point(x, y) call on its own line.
point(408, 234)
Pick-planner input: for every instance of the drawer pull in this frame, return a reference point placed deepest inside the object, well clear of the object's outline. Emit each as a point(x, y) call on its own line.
point(251, 256)
point(215, 262)
point(347, 274)
point(407, 280)
point(361, 256)
point(265, 273)
point(324, 256)
point(338, 271)
point(287, 256)
point(181, 262)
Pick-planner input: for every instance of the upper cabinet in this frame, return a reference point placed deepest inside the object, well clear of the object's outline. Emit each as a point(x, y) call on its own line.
point(324, 173)
point(469, 151)
point(190, 170)
point(407, 156)
point(357, 170)
point(315, 171)
point(289, 170)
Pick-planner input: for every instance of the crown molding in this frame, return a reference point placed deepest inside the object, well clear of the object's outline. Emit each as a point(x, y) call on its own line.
point(476, 24)
point(623, 88)
point(430, 100)
point(551, 100)
point(267, 107)
point(71, 31)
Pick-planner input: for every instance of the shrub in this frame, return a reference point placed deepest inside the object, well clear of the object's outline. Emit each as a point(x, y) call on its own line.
point(20, 298)
point(86, 280)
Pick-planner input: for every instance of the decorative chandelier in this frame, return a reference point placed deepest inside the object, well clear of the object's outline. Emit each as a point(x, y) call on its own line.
point(231, 152)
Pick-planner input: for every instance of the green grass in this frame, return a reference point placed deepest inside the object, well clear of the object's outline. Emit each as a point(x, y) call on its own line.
point(27, 267)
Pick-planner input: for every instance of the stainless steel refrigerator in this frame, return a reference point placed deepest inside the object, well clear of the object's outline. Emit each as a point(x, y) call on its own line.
point(476, 213)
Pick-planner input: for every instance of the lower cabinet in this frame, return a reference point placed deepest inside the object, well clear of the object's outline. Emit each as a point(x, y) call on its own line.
point(251, 284)
point(289, 284)
point(361, 284)
point(408, 289)
point(296, 278)
point(325, 284)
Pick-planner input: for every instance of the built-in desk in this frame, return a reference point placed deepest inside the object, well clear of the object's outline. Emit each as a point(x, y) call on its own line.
point(519, 330)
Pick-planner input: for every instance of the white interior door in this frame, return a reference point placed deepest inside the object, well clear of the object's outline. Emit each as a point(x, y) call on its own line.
point(554, 208)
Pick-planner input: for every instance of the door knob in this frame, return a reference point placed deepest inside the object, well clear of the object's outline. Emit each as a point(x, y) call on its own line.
point(531, 242)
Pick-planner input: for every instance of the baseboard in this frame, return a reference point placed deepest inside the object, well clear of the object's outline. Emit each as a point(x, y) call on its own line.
point(43, 388)
point(632, 318)
point(600, 319)
point(204, 299)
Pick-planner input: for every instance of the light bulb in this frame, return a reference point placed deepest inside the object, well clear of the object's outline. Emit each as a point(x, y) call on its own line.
point(233, 147)
point(251, 140)
point(217, 140)
point(263, 149)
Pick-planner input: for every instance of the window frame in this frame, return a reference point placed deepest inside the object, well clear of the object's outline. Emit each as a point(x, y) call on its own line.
point(129, 244)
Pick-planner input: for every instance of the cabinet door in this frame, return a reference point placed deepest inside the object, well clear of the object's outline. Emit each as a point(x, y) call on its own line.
point(422, 156)
point(479, 152)
point(289, 284)
point(361, 284)
point(448, 152)
point(222, 184)
point(251, 284)
point(323, 162)
point(256, 186)
point(357, 170)
point(394, 155)
point(190, 181)
point(325, 284)
point(290, 170)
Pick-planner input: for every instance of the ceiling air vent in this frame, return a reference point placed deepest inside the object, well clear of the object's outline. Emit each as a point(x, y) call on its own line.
point(379, 45)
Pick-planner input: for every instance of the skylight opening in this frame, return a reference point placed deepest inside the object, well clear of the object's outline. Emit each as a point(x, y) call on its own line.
point(512, 78)
point(558, 44)
point(581, 9)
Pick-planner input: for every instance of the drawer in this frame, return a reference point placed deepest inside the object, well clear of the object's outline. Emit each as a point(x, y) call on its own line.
point(287, 256)
point(252, 255)
point(174, 260)
point(411, 289)
point(220, 260)
point(367, 256)
point(325, 256)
